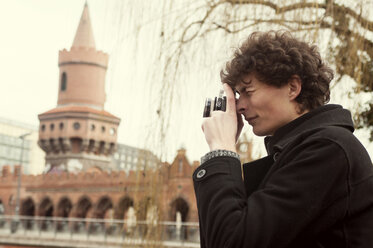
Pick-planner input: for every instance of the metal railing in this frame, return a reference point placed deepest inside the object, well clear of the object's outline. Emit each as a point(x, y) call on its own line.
point(74, 232)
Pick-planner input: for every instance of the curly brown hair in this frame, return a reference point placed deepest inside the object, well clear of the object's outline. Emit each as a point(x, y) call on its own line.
point(275, 57)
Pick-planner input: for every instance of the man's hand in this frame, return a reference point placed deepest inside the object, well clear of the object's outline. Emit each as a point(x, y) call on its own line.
point(222, 129)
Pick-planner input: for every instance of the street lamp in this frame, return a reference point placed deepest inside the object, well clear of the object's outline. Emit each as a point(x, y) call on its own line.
point(19, 177)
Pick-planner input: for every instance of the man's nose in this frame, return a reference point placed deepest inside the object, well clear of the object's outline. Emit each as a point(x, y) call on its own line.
point(240, 107)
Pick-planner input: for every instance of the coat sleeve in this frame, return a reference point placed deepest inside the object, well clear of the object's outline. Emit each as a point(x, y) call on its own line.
point(308, 180)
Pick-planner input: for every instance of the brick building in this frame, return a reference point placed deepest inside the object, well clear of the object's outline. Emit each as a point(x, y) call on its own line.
point(100, 194)
point(79, 139)
point(78, 134)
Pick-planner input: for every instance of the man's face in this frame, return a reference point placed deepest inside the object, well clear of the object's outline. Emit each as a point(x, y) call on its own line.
point(266, 108)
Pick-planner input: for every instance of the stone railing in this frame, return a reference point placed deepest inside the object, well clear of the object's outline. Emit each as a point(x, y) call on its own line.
point(76, 232)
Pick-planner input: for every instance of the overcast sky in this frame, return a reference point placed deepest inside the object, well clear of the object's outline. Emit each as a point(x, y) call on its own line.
point(32, 33)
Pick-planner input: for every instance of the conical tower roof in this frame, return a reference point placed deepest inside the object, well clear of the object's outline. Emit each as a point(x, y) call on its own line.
point(84, 34)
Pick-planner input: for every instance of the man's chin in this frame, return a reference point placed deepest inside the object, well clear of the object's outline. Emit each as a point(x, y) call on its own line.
point(259, 132)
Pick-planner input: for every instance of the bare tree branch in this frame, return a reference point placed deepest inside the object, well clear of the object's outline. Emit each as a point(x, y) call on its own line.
point(330, 10)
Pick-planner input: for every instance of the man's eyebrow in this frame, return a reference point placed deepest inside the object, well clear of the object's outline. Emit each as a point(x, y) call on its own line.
point(243, 81)
point(242, 88)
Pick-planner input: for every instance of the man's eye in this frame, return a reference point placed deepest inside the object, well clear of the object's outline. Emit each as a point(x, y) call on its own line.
point(249, 92)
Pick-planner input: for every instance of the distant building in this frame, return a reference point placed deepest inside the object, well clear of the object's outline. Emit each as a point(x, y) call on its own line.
point(129, 158)
point(78, 134)
point(11, 146)
point(103, 194)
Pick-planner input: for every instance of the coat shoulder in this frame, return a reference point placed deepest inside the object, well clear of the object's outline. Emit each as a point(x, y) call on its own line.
point(358, 159)
point(340, 136)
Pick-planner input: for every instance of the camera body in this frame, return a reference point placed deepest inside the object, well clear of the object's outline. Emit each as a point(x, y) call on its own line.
point(218, 103)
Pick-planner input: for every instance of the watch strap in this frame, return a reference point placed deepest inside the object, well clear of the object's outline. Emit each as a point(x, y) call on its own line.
point(219, 153)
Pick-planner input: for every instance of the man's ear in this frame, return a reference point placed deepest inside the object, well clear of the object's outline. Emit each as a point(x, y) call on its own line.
point(295, 86)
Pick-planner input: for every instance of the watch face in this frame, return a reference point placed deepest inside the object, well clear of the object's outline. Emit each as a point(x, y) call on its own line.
point(76, 125)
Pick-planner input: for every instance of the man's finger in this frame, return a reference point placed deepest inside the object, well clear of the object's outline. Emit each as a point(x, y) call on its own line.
point(240, 125)
point(231, 101)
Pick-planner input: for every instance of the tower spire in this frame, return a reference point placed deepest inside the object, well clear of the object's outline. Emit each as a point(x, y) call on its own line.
point(84, 34)
point(79, 132)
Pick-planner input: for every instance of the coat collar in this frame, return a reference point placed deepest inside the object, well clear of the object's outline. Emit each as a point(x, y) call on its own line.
point(254, 173)
point(327, 115)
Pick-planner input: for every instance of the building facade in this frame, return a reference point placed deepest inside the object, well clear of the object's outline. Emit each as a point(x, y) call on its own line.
point(78, 134)
point(100, 194)
point(13, 149)
point(127, 158)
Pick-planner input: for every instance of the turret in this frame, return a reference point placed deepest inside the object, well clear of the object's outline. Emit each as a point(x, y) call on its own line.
point(79, 134)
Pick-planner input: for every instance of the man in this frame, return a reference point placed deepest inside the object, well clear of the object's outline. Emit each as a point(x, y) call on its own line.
point(315, 187)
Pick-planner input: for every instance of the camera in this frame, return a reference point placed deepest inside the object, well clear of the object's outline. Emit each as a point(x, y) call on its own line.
point(219, 103)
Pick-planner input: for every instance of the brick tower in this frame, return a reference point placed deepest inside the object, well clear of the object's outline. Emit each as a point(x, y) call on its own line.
point(79, 134)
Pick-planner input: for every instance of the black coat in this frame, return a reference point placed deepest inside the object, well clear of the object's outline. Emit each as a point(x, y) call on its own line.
point(315, 189)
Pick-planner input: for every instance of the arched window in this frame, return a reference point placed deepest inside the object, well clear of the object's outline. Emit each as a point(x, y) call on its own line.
point(63, 81)
point(180, 169)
